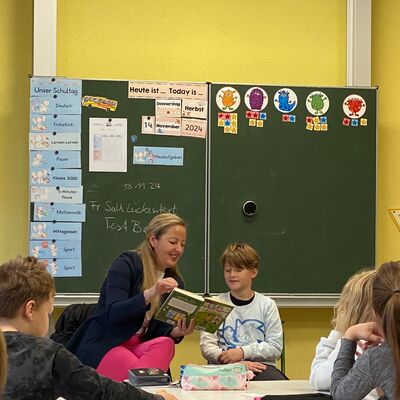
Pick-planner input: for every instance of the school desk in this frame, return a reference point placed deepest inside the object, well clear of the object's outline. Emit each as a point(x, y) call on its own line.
point(260, 388)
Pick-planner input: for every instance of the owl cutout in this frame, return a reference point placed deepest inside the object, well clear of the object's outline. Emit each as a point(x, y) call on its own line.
point(228, 99)
point(256, 99)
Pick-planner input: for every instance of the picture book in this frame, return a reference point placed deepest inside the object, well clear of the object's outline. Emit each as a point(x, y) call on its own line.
point(208, 312)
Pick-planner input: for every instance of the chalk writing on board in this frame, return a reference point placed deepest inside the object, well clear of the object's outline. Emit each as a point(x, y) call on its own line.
point(142, 186)
point(117, 207)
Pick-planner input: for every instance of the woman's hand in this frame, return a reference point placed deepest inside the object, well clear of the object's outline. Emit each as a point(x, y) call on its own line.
point(181, 329)
point(166, 395)
point(164, 285)
point(369, 331)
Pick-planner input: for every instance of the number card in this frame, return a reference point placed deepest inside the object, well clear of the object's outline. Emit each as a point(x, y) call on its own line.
point(194, 127)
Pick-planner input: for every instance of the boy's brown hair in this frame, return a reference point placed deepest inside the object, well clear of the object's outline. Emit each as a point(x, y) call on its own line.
point(240, 255)
point(23, 279)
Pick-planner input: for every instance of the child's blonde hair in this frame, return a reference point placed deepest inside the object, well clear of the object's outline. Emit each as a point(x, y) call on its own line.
point(240, 255)
point(355, 302)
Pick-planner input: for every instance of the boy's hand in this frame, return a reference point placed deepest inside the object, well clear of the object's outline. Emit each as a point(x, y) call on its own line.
point(231, 355)
point(166, 395)
point(255, 366)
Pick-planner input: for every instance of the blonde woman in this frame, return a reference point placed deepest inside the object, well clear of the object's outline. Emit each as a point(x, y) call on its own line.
point(121, 334)
point(3, 362)
point(354, 307)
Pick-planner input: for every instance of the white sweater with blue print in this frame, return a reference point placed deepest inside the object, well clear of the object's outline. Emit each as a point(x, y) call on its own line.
point(255, 327)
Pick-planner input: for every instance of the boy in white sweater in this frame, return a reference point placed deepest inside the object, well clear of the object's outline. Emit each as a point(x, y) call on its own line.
point(252, 332)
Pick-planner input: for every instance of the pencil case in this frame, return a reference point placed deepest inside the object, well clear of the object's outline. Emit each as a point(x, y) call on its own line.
point(214, 377)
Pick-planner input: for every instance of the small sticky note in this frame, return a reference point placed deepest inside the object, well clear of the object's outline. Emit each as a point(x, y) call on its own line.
point(233, 116)
point(227, 122)
point(363, 122)
point(234, 123)
point(346, 121)
point(252, 122)
point(354, 122)
point(310, 126)
point(309, 120)
point(292, 118)
point(249, 114)
point(263, 115)
point(260, 123)
point(316, 120)
point(317, 127)
point(324, 120)
point(285, 118)
point(324, 127)
point(220, 122)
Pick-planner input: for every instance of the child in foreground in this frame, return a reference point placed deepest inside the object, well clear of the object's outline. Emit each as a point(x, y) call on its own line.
point(379, 365)
point(252, 332)
point(354, 307)
point(39, 368)
point(3, 362)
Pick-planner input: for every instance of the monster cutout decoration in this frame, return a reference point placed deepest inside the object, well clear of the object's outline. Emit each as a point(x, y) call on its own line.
point(285, 100)
point(256, 99)
point(228, 99)
point(354, 106)
point(317, 103)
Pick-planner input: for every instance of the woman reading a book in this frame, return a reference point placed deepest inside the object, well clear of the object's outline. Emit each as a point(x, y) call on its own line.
point(122, 333)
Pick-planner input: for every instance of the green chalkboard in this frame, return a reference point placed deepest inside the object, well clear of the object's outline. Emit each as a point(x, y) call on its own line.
point(314, 191)
point(120, 204)
point(278, 168)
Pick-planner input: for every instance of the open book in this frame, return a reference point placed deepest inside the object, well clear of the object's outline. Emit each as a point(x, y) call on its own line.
point(208, 312)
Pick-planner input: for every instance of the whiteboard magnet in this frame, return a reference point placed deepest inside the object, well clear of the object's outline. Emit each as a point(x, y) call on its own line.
point(249, 208)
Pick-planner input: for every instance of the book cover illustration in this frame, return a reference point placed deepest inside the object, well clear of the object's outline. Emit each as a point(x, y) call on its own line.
point(208, 313)
point(211, 314)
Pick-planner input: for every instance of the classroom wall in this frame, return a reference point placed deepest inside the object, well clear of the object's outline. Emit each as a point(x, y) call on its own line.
point(15, 65)
point(276, 42)
point(386, 75)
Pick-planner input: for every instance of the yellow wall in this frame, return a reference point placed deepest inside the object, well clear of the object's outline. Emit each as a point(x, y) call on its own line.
point(386, 75)
point(15, 65)
point(277, 42)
